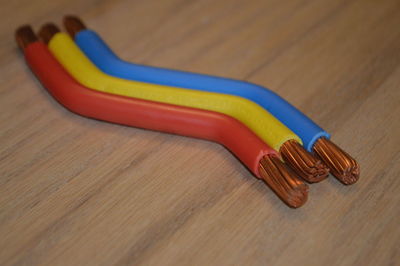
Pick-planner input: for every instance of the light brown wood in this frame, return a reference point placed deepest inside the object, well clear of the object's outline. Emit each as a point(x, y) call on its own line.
point(75, 191)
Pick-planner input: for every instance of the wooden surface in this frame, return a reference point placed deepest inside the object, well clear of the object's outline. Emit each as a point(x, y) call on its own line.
point(75, 191)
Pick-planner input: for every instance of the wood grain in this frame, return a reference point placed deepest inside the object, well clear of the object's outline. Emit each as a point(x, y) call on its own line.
point(75, 191)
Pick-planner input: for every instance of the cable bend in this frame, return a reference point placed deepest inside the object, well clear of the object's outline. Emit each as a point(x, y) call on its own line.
point(145, 114)
point(265, 125)
point(105, 59)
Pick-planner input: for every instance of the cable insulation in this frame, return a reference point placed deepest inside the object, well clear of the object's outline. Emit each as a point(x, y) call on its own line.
point(145, 114)
point(105, 59)
point(266, 126)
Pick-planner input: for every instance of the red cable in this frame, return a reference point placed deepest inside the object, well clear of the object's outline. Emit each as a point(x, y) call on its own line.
point(145, 114)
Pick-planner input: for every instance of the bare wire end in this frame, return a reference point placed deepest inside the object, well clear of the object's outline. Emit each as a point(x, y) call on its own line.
point(341, 164)
point(47, 32)
point(73, 25)
point(304, 164)
point(285, 184)
point(24, 36)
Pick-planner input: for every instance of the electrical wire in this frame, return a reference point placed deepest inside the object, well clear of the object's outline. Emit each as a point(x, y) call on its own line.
point(314, 137)
point(266, 126)
point(261, 159)
point(104, 58)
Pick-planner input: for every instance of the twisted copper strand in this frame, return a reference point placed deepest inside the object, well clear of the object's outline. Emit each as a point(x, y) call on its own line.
point(341, 164)
point(307, 166)
point(47, 32)
point(24, 35)
point(73, 25)
point(286, 185)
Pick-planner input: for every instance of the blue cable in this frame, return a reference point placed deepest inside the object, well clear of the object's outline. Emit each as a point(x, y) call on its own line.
point(104, 58)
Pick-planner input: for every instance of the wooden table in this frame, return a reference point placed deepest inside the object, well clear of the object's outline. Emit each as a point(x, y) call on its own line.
point(75, 191)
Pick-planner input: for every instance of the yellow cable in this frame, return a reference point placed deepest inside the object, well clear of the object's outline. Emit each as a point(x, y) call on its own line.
point(265, 125)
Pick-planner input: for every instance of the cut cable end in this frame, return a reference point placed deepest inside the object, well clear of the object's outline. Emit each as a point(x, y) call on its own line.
point(73, 25)
point(47, 32)
point(341, 164)
point(24, 36)
point(285, 184)
point(304, 164)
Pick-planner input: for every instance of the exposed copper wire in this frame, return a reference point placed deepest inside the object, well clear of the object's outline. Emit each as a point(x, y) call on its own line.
point(73, 25)
point(47, 31)
point(24, 35)
point(341, 164)
point(306, 165)
point(286, 185)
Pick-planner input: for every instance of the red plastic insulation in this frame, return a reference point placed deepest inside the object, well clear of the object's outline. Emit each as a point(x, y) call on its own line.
point(145, 114)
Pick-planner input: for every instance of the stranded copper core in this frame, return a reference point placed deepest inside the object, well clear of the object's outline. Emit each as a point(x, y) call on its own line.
point(341, 164)
point(48, 31)
point(306, 165)
point(24, 35)
point(73, 25)
point(290, 189)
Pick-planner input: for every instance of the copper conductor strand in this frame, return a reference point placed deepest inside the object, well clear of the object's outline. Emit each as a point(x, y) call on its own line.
point(303, 163)
point(285, 184)
point(73, 25)
point(341, 164)
point(24, 36)
point(47, 32)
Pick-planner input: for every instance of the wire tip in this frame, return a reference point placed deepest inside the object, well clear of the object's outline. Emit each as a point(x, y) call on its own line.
point(47, 32)
point(304, 164)
point(24, 35)
point(287, 186)
point(298, 197)
point(352, 176)
point(341, 164)
point(73, 25)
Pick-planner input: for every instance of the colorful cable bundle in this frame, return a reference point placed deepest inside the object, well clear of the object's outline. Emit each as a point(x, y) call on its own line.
point(199, 106)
